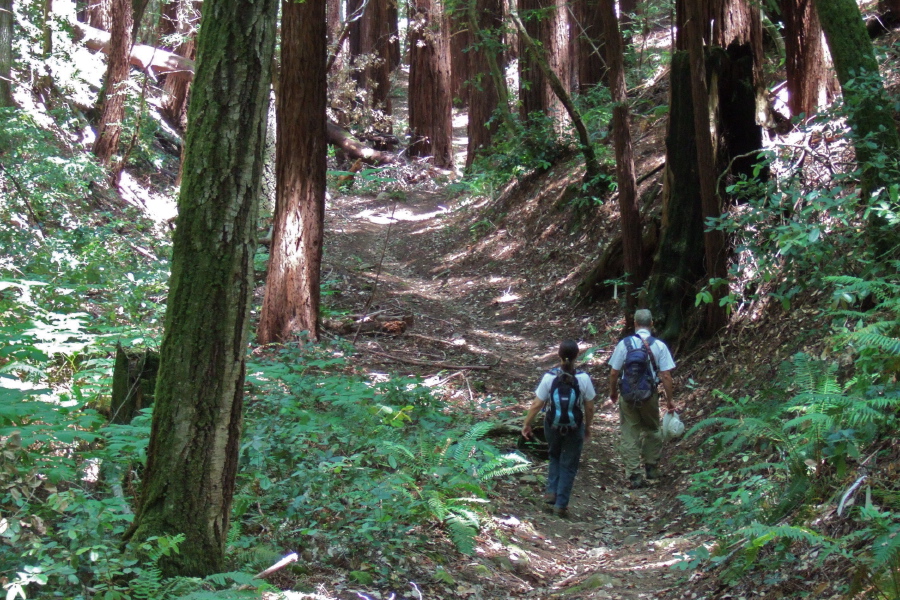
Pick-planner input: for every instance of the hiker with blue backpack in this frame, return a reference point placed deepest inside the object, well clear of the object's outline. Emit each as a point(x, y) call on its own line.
point(638, 365)
point(568, 397)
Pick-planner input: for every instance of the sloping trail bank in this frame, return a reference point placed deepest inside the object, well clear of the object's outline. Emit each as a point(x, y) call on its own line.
point(416, 258)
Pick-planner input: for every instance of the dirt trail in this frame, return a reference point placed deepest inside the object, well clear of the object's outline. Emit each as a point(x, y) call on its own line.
point(618, 543)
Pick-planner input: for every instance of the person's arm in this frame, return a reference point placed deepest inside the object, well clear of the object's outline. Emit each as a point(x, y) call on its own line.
point(533, 410)
point(588, 418)
point(613, 385)
point(668, 388)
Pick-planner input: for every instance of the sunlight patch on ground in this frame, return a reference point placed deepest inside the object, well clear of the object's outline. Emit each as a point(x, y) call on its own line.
point(159, 207)
point(382, 217)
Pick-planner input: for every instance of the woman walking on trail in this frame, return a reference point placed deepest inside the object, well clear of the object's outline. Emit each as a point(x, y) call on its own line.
point(568, 396)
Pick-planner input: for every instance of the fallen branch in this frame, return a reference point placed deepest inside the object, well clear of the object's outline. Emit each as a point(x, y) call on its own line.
point(148, 58)
point(340, 138)
point(428, 363)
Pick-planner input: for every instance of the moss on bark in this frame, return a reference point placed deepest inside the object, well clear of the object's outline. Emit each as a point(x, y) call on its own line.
point(192, 458)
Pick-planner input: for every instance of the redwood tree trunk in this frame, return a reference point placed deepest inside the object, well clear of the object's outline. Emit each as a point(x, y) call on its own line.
point(192, 458)
point(546, 21)
point(589, 44)
point(460, 40)
point(6, 54)
point(714, 240)
point(376, 41)
point(531, 78)
point(629, 211)
point(485, 21)
point(117, 69)
point(292, 298)
point(99, 14)
point(430, 110)
point(181, 17)
point(806, 61)
point(679, 263)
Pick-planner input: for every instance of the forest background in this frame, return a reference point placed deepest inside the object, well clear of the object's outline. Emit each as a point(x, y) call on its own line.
point(732, 165)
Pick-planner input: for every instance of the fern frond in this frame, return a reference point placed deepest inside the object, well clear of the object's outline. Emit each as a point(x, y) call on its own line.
point(759, 534)
point(889, 345)
point(503, 466)
point(463, 535)
point(886, 550)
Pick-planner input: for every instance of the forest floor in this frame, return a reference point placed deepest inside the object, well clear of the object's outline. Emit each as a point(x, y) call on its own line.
point(474, 308)
point(488, 283)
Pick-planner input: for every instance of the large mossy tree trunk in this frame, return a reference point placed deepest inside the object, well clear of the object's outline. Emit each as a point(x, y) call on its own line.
point(115, 83)
point(292, 297)
point(194, 441)
point(679, 263)
point(6, 53)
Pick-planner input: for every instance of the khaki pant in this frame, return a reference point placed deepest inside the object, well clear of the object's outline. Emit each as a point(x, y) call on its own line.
point(641, 436)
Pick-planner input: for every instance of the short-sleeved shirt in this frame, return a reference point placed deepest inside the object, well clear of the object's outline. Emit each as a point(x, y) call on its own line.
point(584, 385)
point(660, 351)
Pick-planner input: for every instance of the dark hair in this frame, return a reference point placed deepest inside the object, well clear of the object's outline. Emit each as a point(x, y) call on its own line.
point(568, 352)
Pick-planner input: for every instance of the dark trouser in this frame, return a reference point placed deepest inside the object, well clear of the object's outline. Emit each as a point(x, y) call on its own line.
point(565, 455)
point(641, 437)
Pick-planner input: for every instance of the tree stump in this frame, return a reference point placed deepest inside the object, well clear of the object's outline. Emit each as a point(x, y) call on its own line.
point(134, 383)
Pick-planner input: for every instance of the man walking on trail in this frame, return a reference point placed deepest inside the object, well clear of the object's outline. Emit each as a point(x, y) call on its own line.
point(637, 366)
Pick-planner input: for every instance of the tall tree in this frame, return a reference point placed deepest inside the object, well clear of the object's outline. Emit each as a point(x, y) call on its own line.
point(7, 21)
point(870, 115)
point(547, 22)
point(806, 59)
point(629, 211)
point(181, 18)
point(292, 286)
point(589, 45)
point(117, 70)
point(375, 42)
point(487, 83)
point(713, 240)
point(99, 14)
point(460, 42)
point(430, 108)
point(192, 458)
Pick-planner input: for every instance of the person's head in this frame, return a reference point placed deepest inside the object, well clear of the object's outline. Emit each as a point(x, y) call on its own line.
point(643, 319)
point(568, 352)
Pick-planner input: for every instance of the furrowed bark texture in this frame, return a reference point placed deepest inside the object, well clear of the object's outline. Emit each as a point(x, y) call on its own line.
point(6, 54)
point(376, 39)
point(117, 70)
point(292, 285)
point(806, 59)
point(714, 241)
point(485, 20)
point(679, 264)
point(629, 211)
point(589, 44)
point(545, 21)
point(460, 40)
point(430, 109)
point(194, 441)
point(181, 17)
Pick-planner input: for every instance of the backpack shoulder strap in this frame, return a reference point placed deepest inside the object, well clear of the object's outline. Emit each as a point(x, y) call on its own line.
point(651, 339)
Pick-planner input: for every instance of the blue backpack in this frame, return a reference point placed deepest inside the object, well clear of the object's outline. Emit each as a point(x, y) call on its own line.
point(637, 380)
point(563, 404)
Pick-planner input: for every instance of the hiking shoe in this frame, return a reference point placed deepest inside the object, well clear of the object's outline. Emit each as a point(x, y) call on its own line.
point(652, 472)
point(635, 481)
point(549, 498)
point(561, 511)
